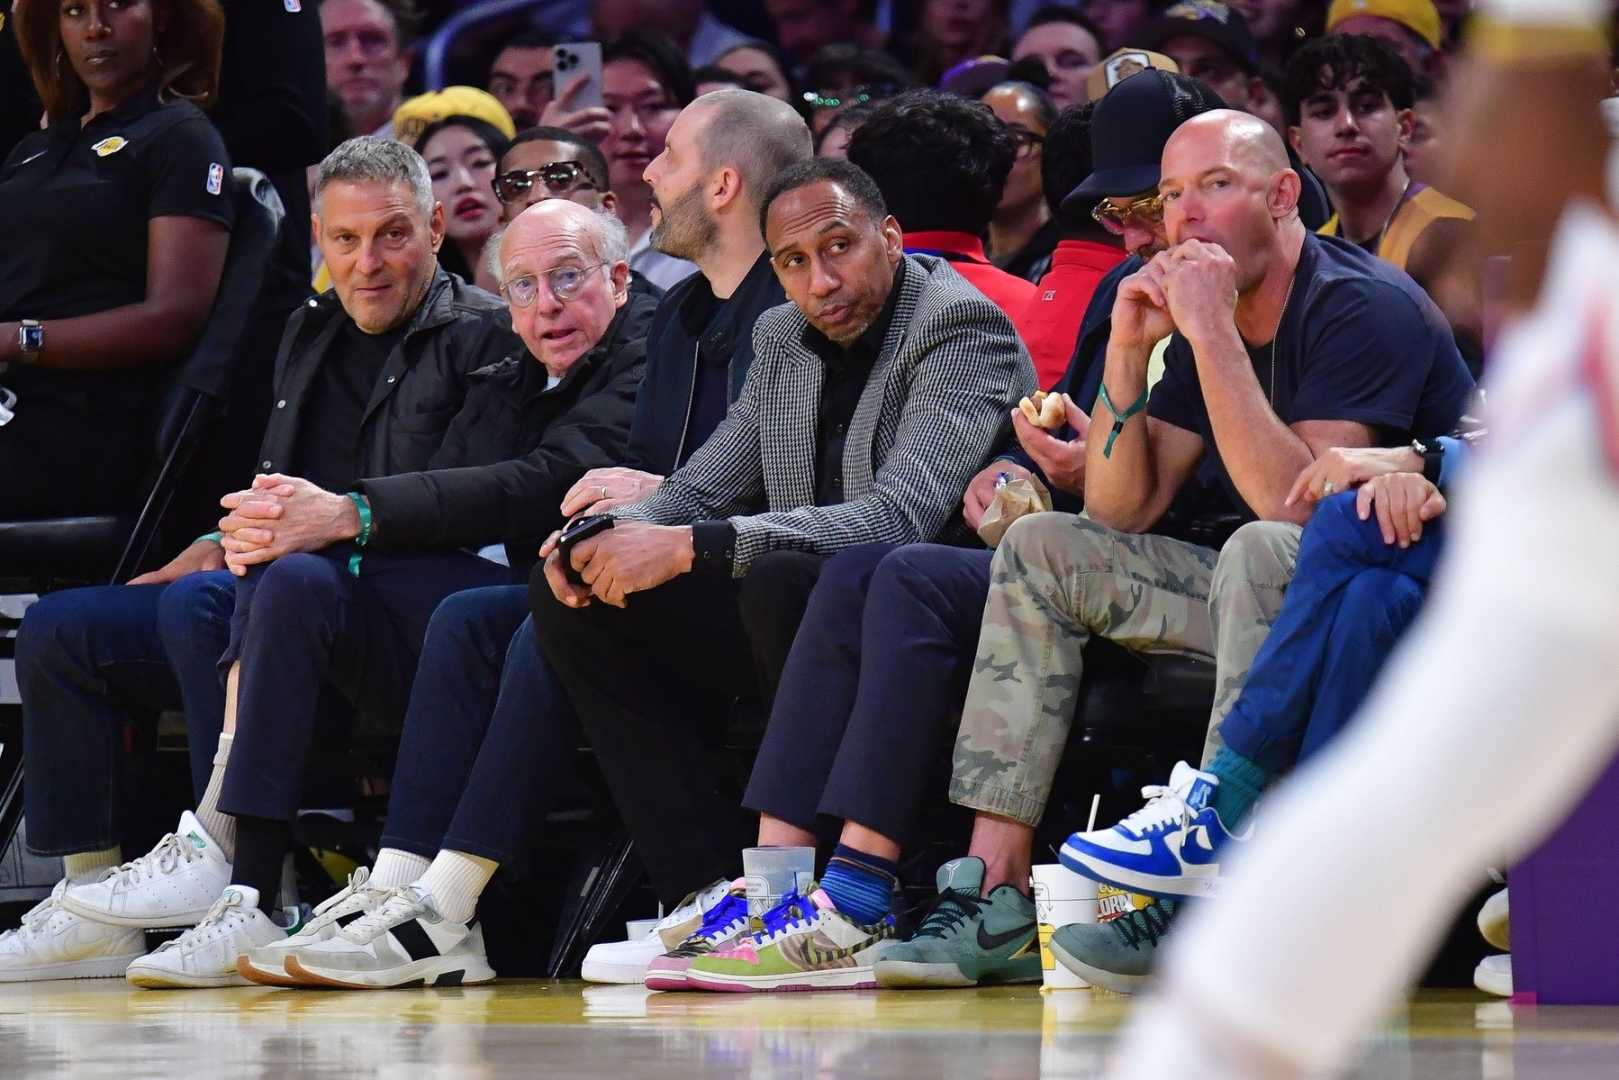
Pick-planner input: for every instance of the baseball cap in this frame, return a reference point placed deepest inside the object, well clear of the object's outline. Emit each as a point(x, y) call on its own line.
point(1418, 16)
point(1129, 128)
point(1214, 22)
point(1119, 66)
point(413, 116)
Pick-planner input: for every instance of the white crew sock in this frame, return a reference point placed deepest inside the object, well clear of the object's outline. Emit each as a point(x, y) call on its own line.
point(221, 826)
point(87, 866)
point(455, 881)
point(395, 868)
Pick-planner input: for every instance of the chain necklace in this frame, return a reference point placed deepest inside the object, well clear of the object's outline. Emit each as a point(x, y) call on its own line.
point(1270, 391)
point(1384, 231)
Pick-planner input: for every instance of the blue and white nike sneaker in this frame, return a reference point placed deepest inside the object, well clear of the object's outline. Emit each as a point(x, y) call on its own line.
point(1170, 848)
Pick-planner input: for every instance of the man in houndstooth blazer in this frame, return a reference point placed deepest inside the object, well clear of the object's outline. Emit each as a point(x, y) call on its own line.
point(652, 653)
point(934, 408)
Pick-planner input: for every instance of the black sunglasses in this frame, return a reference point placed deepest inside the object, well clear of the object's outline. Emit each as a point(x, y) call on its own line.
point(559, 178)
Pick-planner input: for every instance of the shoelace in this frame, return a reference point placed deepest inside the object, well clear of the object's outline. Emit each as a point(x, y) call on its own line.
point(950, 908)
point(357, 883)
point(165, 858)
point(793, 911)
point(1147, 924)
point(1165, 807)
point(212, 924)
point(723, 916)
point(392, 908)
point(40, 914)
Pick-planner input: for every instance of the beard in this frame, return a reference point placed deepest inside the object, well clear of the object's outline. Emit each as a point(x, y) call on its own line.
point(684, 230)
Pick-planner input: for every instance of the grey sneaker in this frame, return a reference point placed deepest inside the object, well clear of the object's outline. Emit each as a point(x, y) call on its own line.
point(1117, 955)
point(967, 939)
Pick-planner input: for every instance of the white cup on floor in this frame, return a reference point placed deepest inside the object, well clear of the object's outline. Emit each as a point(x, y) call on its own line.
point(1061, 898)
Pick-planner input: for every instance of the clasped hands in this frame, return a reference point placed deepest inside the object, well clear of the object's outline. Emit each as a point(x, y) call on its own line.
point(280, 515)
point(1192, 288)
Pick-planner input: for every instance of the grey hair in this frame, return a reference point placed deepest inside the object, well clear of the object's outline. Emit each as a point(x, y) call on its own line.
point(383, 161)
point(609, 237)
point(757, 135)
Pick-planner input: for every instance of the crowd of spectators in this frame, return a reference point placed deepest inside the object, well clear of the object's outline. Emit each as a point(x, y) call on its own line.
point(862, 373)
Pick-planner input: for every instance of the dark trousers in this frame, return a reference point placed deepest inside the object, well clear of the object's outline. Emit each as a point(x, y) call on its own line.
point(653, 684)
point(872, 687)
point(304, 622)
point(86, 659)
point(488, 734)
point(1350, 600)
point(77, 452)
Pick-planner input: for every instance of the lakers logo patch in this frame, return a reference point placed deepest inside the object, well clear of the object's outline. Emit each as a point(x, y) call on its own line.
point(110, 146)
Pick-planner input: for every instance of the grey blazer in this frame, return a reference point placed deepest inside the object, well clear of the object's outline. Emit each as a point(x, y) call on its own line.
point(933, 410)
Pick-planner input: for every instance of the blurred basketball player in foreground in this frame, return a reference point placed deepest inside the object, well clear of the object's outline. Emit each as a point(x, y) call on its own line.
point(1503, 704)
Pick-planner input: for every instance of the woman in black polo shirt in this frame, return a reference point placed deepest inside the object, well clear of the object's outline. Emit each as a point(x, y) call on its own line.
point(115, 221)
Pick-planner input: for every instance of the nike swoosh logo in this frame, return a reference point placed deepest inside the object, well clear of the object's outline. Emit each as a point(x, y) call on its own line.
point(990, 942)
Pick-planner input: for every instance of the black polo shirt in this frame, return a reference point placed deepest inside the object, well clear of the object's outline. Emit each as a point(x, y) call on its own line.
point(75, 203)
point(848, 367)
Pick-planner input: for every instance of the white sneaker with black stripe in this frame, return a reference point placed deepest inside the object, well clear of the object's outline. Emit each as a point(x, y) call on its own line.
point(404, 941)
point(266, 965)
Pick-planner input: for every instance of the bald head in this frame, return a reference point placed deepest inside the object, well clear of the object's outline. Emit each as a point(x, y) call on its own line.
point(597, 232)
point(1238, 138)
point(564, 271)
point(1225, 180)
point(755, 134)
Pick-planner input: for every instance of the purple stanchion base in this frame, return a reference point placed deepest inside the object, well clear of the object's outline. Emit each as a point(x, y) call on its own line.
point(1565, 907)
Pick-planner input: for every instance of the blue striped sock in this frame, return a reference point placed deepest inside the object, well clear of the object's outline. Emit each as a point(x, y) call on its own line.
point(861, 885)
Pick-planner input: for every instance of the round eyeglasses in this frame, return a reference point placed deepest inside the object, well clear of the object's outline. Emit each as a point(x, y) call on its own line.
point(563, 281)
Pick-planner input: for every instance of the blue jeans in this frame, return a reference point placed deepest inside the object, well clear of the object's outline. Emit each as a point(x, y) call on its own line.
point(872, 686)
point(488, 731)
point(1351, 598)
point(87, 658)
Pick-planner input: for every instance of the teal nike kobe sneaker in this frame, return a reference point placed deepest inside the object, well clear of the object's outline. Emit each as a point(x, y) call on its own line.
point(967, 939)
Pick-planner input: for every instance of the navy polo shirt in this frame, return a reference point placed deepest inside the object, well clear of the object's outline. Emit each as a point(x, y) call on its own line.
point(1359, 341)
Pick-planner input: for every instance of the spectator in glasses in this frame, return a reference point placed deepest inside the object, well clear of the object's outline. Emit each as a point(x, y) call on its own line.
point(554, 163)
point(645, 84)
point(759, 68)
point(841, 76)
point(461, 152)
point(1068, 44)
point(1021, 234)
point(117, 217)
point(520, 77)
point(368, 58)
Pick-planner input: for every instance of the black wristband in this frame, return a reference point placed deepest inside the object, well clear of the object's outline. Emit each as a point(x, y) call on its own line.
point(713, 546)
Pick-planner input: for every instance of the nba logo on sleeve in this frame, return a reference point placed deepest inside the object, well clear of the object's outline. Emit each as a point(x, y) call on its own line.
point(216, 178)
point(292, 6)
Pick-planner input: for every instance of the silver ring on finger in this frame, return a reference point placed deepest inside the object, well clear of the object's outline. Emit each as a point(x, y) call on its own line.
point(1327, 488)
point(604, 491)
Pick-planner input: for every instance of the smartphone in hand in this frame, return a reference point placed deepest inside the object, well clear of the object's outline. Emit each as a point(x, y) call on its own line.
point(576, 75)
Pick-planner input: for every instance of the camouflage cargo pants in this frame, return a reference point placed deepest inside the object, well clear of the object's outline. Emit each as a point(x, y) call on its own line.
point(1057, 579)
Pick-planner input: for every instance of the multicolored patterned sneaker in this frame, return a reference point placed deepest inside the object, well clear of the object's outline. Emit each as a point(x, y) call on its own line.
point(812, 946)
point(722, 925)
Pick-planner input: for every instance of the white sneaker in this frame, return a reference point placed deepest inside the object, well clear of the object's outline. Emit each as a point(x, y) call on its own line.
point(174, 884)
point(53, 943)
point(206, 954)
point(627, 961)
point(267, 965)
point(402, 942)
point(1495, 923)
point(1494, 975)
